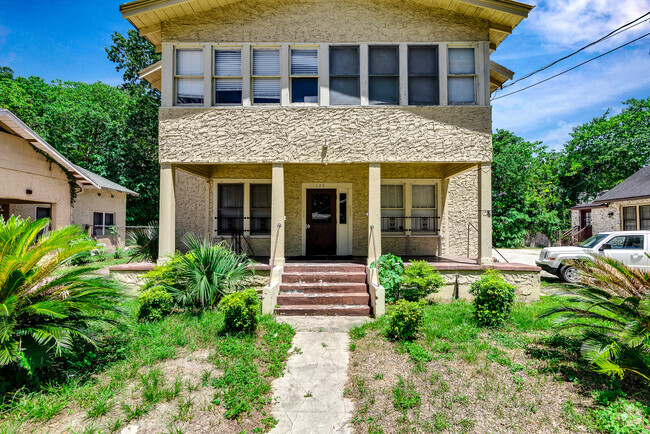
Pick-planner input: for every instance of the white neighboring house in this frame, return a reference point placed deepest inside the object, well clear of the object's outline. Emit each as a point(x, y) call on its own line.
point(36, 181)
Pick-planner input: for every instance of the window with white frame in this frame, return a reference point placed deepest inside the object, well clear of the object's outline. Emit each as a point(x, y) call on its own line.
point(418, 214)
point(383, 74)
point(304, 75)
point(102, 222)
point(423, 208)
point(266, 76)
point(260, 209)
point(243, 207)
point(227, 76)
point(392, 208)
point(230, 212)
point(423, 82)
point(189, 76)
point(462, 74)
point(344, 75)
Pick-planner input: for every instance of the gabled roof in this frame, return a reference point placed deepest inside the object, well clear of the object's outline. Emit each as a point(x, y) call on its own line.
point(147, 15)
point(636, 186)
point(84, 178)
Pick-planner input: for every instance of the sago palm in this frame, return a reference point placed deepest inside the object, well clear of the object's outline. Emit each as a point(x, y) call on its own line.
point(612, 306)
point(42, 306)
point(208, 272)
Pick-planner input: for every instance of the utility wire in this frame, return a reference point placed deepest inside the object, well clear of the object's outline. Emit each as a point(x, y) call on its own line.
point(611, 34)
point(570, 69)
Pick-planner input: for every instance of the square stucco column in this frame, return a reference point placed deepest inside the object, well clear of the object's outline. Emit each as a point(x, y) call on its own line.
point(374, 211)
point(167, 223)
point(485, 213)
point(277, 214)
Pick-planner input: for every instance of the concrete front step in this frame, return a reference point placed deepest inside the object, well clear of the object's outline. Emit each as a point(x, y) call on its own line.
point(325, 277)
point(330, 299)
point(319, 288)
point(325, 310)
point(323, 268)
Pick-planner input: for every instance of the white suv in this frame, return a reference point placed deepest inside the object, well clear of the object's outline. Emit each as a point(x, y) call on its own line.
point(629, 247)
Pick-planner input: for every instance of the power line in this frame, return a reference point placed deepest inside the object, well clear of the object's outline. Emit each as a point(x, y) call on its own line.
point(611, 34)
point(570, 69)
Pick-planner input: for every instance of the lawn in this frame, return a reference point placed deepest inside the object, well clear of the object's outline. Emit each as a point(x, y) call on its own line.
point(459, 377)
point(176, 375)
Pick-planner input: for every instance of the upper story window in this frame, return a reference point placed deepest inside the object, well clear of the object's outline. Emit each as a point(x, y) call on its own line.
point(461, 76)
point(266, 76)
point(304, 75)
point(423, 75)
point(383, 75)
point(227, 76)
point(344, 75)
point(189, 76)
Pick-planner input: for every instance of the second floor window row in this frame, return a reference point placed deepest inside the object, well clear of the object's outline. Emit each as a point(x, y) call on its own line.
point(382, 70)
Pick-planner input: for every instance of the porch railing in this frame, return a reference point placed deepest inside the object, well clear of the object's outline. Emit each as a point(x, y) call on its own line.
point(419, 224)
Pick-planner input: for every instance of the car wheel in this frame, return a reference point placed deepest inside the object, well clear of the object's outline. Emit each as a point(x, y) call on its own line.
point(570, 274)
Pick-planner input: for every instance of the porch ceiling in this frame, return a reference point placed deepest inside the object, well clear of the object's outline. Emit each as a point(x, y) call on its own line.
point(454, 169)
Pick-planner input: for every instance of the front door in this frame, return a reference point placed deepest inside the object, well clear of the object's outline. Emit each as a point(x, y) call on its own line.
point(585, 223)
point(321, 222)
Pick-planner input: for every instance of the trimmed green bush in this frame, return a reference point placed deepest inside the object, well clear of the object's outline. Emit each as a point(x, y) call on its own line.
point(405, 321)
point(240, 311)
point(419, 280)
point(154, 304)
point(165, 275)
point(493, 299)
point(390, 268)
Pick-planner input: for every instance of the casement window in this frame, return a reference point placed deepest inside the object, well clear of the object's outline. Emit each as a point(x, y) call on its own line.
point(629, 218)
point(243, 208)
point(189, 76)
point(410, 207)
point(423, 82)
point(462, 74)
point(383, 74)
point(102, 221)
point(304, 75)
point(266, 76)
point(392, 208)
point(227, 77)
point(344, 75)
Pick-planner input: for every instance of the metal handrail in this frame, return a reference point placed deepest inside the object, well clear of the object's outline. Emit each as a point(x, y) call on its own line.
point(275, 248)
point(374, 248)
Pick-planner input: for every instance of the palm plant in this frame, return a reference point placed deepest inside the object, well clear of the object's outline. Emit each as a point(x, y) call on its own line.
point(208, 272)
point(145, 241)
point(42, 306)
point(612, 307)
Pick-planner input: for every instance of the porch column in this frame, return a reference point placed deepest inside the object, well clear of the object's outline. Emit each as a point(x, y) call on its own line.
point(374, 211)
point(485, 213)
point(277, 213)
point(167, 219)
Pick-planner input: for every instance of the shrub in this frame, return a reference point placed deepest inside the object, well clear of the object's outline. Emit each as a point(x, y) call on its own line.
point(419, 280)
point(405, 321)
point(493, 298)
point(145, 242)
point(390, 268)
point(154, 304)
point(45, 307)
point(240, 311)
point(612, 309)
point(167, 274)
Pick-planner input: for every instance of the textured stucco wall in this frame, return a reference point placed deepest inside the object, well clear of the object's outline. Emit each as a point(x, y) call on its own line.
point(297, 135)
point(325, 21)
point(460, 195)
point(193, 210)
point(107, 201)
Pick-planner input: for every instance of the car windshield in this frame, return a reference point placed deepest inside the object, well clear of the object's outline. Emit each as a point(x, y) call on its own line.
point(591, 242)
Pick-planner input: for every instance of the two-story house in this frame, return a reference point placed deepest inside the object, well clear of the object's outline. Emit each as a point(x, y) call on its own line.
point(305, 128)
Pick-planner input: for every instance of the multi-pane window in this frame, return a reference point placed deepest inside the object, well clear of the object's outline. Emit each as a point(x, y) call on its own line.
point(423, 208)
point(392, 208)
point(629, 218)
point(304, 75)
point(189, 76)
point(102, 221)
point(461, 77)
point(644, 217)
point(383, 74)
point(423, 75)
point(344, 75)
point(260, 214)
point(227, 76)
point(230, 212)
point(266, 76)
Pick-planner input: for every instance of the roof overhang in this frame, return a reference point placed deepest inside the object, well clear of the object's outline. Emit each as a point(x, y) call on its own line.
point(148, 15)
point(602, 202)
point(152, 74)
point(499, 74)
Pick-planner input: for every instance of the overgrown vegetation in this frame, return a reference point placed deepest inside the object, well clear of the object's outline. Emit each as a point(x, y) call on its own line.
point(493, 298)
point(390, 268)
point(405, 321)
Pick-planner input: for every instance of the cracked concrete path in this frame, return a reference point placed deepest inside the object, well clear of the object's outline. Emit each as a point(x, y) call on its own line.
point(309, 397)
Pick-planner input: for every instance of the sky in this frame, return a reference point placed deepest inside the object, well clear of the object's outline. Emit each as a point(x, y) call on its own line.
point(65, 40)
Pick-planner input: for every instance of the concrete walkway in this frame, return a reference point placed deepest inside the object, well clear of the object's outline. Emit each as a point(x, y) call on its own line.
point(309, 397)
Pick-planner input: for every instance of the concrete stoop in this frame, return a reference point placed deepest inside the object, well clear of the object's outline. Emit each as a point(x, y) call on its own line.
point(324, 289)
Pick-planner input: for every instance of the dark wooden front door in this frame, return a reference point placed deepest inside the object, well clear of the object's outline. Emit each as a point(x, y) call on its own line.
point(321, 222)
point(585, 223)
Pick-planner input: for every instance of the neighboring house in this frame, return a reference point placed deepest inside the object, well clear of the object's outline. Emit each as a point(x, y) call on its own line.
point(625, 207)
point(327, 127)
point(36, 181)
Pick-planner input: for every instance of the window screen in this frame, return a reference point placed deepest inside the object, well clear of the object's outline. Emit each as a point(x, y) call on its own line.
point(266, 76)
point(629, 218)
point(260, 208)
point(228, 77)
point(423, 212)
point(344, 76)
point(230, 213)
point(392, 208)
point(304, 75)
point(189, 64)
point(423, 75)
point(383, 77)
point(644, 217)
point(461, 75)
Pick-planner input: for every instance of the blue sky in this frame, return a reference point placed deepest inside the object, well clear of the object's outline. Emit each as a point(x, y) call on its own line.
point(66, 39)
